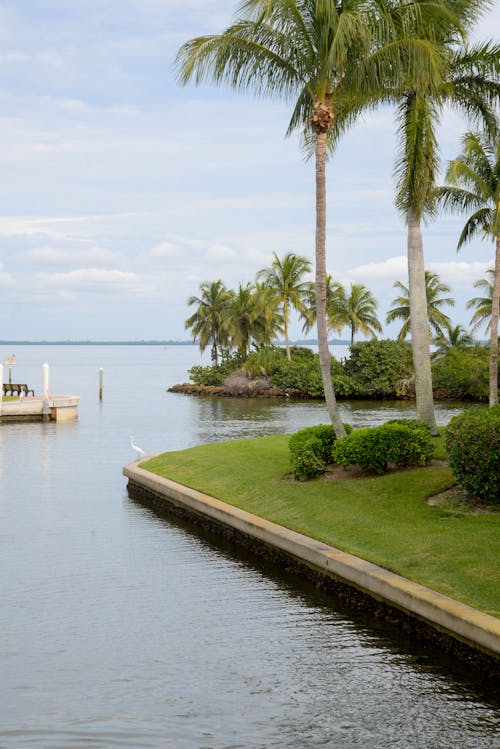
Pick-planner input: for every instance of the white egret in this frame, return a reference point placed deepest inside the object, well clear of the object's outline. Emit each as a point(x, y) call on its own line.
point(140, 452)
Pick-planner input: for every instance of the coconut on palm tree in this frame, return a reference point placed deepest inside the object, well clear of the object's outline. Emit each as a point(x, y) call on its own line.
point(474, 188)
point(468, 80)
point(333, 59)
point(437, 321)
point(208, 322)
point(285, 279)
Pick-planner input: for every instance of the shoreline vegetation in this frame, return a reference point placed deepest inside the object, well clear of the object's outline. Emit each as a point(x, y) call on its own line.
point(374, 370)
point(448, 545)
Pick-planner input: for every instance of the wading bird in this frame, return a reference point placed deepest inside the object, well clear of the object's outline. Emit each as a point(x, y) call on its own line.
point(140, 452)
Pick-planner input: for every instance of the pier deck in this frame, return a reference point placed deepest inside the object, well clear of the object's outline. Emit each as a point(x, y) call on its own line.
point(35, 408)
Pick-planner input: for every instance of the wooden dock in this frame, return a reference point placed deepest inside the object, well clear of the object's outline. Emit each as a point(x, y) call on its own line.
point(38, 408)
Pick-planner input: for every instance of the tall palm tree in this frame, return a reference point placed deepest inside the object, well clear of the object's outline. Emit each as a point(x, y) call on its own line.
point(361, 311)
point(474, 188)
point(285, 278)
point(334, 58)
point(436, 320)
point(468, 81)
point(482, 304)
point(207, 323)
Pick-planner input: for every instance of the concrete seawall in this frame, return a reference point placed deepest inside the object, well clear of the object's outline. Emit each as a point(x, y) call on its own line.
point(36, 408)
point(457, 627)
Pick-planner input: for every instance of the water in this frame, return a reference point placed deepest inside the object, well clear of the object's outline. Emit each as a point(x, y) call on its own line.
point(122, 628)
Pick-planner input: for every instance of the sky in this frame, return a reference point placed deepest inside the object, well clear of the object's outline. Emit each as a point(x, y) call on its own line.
point(122, 191)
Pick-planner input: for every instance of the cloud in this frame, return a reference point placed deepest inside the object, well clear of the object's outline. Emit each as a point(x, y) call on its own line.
point(164, 251)
point(219, 253)
point(394, 268)
point(93, 280)
point(5, 278)
point(462, 274)
point(92, 256)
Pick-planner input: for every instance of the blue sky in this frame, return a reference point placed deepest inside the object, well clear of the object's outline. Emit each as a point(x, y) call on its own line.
point(121, 192)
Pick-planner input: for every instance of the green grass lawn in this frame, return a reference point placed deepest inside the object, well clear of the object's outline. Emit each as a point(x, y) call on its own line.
point(383, 519)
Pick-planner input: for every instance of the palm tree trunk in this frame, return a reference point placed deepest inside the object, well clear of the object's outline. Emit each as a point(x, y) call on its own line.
point(285, 320)
point(324, 351)
point(495, 303)
point(419, 323)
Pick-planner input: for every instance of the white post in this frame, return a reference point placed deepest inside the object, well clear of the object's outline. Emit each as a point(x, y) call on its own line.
point(1, 394)
point(45, 389)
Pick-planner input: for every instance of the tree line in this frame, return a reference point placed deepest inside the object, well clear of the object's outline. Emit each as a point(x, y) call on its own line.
point(257, 314)
point(336, 60)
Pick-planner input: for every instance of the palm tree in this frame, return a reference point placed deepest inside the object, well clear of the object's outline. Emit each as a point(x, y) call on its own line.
point(247, 320)
point(468, 80)
point(207, 323)
point(271, 323)
point(436, 320)
point(335, 306)
point(474, 188)
point(334, 58)
point(284, 278)
point(482, 304)
point(360, 311)
point(452, 337)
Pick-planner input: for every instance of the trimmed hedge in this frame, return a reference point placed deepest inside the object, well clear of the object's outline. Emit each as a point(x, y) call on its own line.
point(375, 448)
point(311, 449)
point(413, 424)
point(473, 444)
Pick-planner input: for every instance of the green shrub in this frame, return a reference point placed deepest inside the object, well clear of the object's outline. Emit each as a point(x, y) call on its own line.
point(374, 449)
point(265, 361)
point(302, 353)
point(299, 378)
point(306, 462)
point(473, 446)
point(311, 449)
point(376, 369)
point(412, 423)
point(462, 373)
point(216, 374)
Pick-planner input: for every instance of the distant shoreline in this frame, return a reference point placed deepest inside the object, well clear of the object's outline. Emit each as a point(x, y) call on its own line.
point(146, 343)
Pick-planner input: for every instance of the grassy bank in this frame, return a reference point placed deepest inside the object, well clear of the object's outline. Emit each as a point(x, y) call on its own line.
point(384, 519)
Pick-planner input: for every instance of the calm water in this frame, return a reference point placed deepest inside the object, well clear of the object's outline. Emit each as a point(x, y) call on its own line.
point(121, 628)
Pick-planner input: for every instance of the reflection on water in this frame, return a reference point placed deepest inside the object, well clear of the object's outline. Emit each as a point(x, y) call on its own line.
point(122, 628)
point(236, 418)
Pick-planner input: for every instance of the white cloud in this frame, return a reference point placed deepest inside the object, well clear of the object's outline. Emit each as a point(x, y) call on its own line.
point(5, 278)
point(93, 279)
point(463, 274)
point(164, 251)
point(92, 256)
point(219, 254)
point(394, 268)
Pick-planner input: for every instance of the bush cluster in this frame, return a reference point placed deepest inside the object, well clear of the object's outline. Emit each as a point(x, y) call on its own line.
point(311, 450)
point(473, 446)
point(462, 373)
point(215, 374)
point(376, 369)
point(375, 448)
